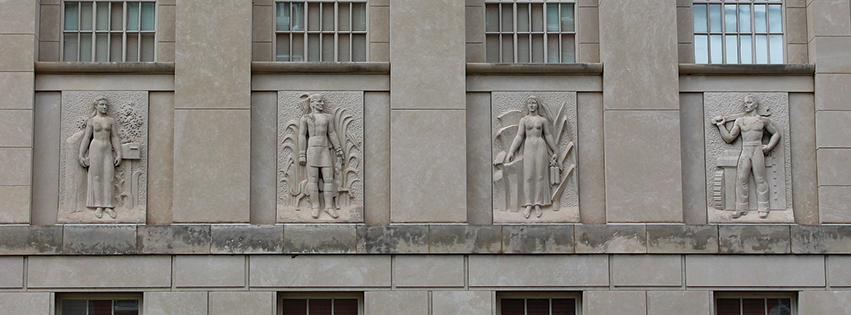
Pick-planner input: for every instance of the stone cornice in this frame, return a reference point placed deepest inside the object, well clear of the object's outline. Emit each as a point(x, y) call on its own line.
point(534, 69)
point(737, 69)
point(321, 67)
point(104, 67)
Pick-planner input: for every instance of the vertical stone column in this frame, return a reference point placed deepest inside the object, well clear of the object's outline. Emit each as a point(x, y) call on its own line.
point(829, 28)
point(427, 111)
point(212, 111)
point(638, 42)
point(18, 48)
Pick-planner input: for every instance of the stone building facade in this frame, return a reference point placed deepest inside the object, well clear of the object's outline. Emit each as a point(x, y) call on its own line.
point(214, 179)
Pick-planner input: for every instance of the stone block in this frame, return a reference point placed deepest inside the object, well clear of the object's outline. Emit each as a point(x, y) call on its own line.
point(616, 302)
point(693, 158)
point(796, 25)
point(264, 173)
point(166, 23)
point(379, 24)
point(589, 53)
point(835, 204)
point(17, 128)
point(183, 303)
point(647, 270)
point(245, 303)
point(685, 53)
point(678, 302)
point(805, 173)
point(379, 52)
point(18, 53)
point(830, 54)
point(428, 271)
point(538, 271)
point(30, 240)
point(261, 52)
point(200, 83)
point(46, 148)
point(834, 167)
point(462, 302)
point(587, 24)
point(797, 54)
point(611, 239)
point(99, 272)
point(685, 24)
point(165, 51)
point(396, 302)
point(18, 91)
point(475, 53)
point(754, 239)
point(833, 92)
point(733, 271)
point(247, 239)
point(15, 204)
point(475, 24)
point(264, 24)
point(209, 271)
point(479, 161)
point(26, 303)
point(320, 238)
point(275, 271)
point(211, 165)
point(446, 239)
point(49, 27)
point(831, 18)
point(16, 168)
point(637, 153)
point(821, 239)
point(173, 239)
point(838, 274)
point(377, 152)
point(12, 276)
point(94, 239)
point(590, 150)
point(538, 239)
point(833, 128)
point(646, 80)
point(160, 158)
point(395, 239)
point(427, 159)
point(18, 17)
point(824, 302)
point(682, 239)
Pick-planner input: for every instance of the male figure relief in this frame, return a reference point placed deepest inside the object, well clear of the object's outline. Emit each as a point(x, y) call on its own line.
point(317, 138)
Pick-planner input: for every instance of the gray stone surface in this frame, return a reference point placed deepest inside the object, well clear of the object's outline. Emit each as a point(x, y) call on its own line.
point(377, 157)
point(835, 204)
point(15, 206)
point(538, 239)
point(833, 129)
point(611, 239)
point(46, 148)
point(18, 54)
point(320, 239)
point(821, 239)
point(824, 302)
point(396, 302)
point(12, 276)
point(427, 271)
point(591, 152)
point(29, 240)
point(161, 158)
point(462, 302)
point(264, 128)
point(99, 239)
point(616, 302)
point(682, 238)
point(693, 157)
point(209, 271)
point(479, 161)
point(246, 303)
point(839, 271)
point(755, 271)
point(20, 175)
point(477, 239)
point(385, 239)
point(833, 166)
point(754, 239)
point(183, 303)
point(173, 239)
point(275, 271)
point(13, 22)
point(755, 83)
point(647, 270)
point(833, 93)
point(99, 272)
point(248, 239)
point(678, 302)
point(805, 173)
point(832, 18)
point(538, 271)
point(828, 54)
point(17, 128)
point(25, 303)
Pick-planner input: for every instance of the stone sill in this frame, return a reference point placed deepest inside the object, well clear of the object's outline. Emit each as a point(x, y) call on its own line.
point(716, 69)
point(534, 69)
point(128, 239)
point(104, 67)
point(321, 67)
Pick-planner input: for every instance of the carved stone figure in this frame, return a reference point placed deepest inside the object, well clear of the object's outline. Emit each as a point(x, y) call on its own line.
point(100, 152)
point(752, 159)
point(533, 168)
point(319, 157)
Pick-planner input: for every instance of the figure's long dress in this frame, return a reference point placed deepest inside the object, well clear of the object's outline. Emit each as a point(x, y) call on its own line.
point(101, 168)
point(536, 184)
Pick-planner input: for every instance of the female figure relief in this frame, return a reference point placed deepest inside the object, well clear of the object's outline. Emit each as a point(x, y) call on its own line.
point(535, 135)
point(101, 143)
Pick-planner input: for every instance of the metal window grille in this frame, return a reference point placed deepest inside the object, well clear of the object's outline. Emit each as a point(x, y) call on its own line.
point(538, 303)
point(746, 32)
point(98, 303)
point(104, 31)
point(755, 303)
point(321, 31)
point(540, 31)
point(320, 306)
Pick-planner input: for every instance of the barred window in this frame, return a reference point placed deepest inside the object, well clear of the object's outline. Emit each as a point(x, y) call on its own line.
point(341, 303)
point(747, 303)
point(116, 31)
point(320, 31)
point(542, 31)
point(746, 32)
point(98, 304)
point(538, 303)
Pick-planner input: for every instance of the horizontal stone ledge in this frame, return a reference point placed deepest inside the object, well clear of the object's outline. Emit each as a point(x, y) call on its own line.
point(321, 67)
point(104, 67)
point(297, 239)
point(534, 68)
point(776, 69)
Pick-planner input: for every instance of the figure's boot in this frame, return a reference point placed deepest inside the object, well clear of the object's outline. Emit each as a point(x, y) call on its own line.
point(329, 201)
point(741, 210)
point(763, 209)
point(313, 189)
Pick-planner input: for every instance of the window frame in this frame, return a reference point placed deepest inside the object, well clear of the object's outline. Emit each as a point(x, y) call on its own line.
point(61, 296)
point(279, 300)
point(576, 296)
point(530, 32)
point(792, 296)
point(94, 31)
point(753, 33)
point(336, 30)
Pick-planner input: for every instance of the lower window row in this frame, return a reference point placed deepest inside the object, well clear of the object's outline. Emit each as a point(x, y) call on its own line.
point(351, 303)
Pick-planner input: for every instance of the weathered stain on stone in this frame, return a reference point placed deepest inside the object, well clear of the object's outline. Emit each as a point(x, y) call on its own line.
point(684, 239)
point(611, 239)
point(465, 239)
point(538, 239)
point(29, 240)
point(247, 239)
point(99, 239)
point(754, 239)
point(823, 239)
point(392, 239)
point(320, 239)
point(173, 239)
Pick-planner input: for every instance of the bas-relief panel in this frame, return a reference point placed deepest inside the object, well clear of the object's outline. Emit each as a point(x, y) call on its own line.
point(748, 159)
point(104, 158)
point(534, 150)
point(320, 156)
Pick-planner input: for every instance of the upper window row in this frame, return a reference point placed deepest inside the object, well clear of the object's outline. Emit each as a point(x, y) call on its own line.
point(738, 32)
point(118, 31)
